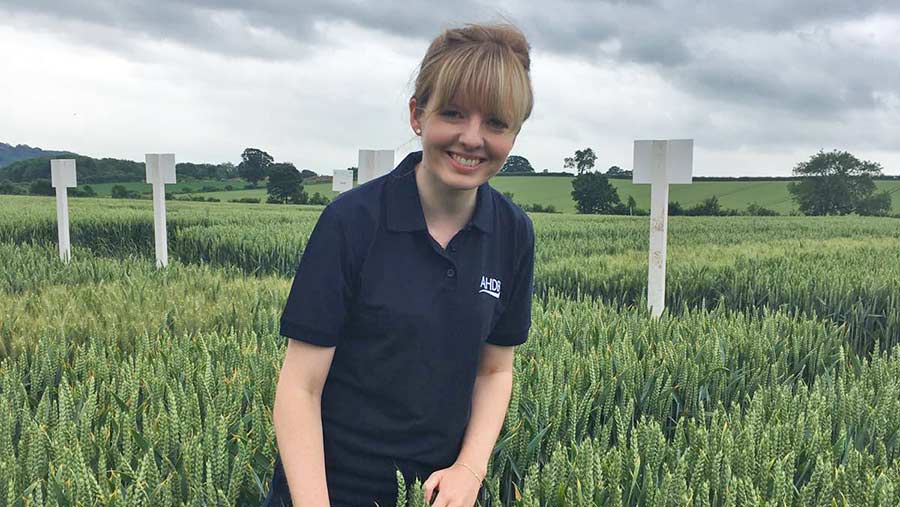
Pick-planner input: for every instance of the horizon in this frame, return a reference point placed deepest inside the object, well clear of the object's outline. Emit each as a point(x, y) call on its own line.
point(536, 170)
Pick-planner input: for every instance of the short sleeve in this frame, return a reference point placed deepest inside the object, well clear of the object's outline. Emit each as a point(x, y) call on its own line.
point(320, 295)
point(515, 321)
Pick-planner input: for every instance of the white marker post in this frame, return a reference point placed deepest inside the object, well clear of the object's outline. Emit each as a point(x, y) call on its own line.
point(62, 176)
point(374, 163)
point(342, 180)
point(160, 170)
point(660, 163)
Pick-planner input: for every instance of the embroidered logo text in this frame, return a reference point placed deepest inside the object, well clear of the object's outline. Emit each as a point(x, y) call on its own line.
point(490, 286)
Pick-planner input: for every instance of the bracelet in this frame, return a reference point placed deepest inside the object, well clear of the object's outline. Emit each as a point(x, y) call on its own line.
point(470, 469)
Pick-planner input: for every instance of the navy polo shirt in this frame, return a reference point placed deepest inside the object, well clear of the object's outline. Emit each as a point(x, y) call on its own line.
point(408, 319)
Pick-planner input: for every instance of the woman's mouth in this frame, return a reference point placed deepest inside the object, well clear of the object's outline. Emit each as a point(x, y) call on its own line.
point(463, 163)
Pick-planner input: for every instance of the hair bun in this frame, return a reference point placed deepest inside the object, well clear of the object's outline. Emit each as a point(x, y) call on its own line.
point(502, 34)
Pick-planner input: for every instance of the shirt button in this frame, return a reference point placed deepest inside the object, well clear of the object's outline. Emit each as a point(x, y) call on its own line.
point(450, 273)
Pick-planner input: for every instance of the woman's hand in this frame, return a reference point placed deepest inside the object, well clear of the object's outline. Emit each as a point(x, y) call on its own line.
point(456, 487)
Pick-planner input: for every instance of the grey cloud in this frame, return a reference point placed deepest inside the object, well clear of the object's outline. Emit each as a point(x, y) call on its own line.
point(199, 23)
point(648, 31)
point(823, 77)
point(820, 77)
point(755, 87)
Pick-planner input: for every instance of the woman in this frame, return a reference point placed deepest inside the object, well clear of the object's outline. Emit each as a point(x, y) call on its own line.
point(411, 294)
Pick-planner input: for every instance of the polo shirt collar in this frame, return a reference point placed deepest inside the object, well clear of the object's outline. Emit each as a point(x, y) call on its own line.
point(404, 208)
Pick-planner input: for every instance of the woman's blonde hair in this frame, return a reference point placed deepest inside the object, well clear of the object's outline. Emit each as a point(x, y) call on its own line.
point(485, 64)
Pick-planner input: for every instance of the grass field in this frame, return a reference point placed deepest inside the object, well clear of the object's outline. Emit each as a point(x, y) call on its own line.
point(556, 191)
point(772, 379)
point(105, 189)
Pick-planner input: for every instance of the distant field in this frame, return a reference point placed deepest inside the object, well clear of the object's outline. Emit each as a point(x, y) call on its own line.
point(556, 191)
point(105, 189)
point(731, 194)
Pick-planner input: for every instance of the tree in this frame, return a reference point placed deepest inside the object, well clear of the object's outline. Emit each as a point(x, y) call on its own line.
point(878, 205)
point(594, 194)
point(615, 170)
point(318, 198)
point(41, 186)
point(255, 165)
point(835, 183)
point(85, 191)
point(516, 164)
point(583, 160)
point(755, 209)
point(306, 173)
point(120, 192)
point(285, 184)
point(11, 189)
point(631, 205)
point(227, 171)
point(709, 207)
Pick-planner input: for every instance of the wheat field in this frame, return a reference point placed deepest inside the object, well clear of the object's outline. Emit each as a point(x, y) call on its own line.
point(773, 378)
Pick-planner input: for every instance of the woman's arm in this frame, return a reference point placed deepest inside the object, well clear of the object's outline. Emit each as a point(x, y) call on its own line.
point(297, 417)
point(490, 401)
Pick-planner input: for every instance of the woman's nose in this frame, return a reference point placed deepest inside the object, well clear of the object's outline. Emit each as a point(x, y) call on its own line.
point(471, 134)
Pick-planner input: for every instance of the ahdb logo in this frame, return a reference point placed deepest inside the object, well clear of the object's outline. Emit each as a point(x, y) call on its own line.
point(490, 286)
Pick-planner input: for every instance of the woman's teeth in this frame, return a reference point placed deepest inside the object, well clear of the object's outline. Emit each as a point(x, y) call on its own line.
point(465, 161)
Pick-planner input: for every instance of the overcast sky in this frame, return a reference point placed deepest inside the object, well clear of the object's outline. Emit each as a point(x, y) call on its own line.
point(758, 85)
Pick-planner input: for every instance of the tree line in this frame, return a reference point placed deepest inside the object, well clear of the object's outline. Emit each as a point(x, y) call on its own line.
point(284, 183)
point(832, 183)
point(109, 170)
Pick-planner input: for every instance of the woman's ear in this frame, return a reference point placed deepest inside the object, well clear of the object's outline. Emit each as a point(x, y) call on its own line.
point(413, 120)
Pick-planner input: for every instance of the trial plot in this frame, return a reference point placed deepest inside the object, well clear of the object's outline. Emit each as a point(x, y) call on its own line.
point(62, 176)
point(660, 163)
point(342, 180)
point(160, 170)
point(374, 163)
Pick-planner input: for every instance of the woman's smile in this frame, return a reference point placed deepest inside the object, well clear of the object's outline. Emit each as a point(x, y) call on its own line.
point(463, 164)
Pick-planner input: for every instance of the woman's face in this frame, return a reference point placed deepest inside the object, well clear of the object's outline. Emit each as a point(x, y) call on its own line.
point(458, 130)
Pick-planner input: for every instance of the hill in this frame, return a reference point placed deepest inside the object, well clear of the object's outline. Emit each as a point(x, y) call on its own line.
point(108, 170)
point(10, 153)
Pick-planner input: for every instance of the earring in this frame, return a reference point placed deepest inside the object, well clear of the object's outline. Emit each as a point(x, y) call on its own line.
point(418, 131)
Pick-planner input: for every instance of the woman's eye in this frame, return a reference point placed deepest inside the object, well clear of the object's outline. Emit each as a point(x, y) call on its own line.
point(495, 122)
